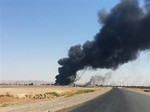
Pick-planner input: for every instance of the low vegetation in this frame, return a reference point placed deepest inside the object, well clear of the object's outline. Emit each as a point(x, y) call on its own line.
point(147, 90)
point(53, 94)
point(4, 105)
point(71, 93)
point(20, 94)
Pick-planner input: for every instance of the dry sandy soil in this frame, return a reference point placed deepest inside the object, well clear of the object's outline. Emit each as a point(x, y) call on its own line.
point(140, 90)
point(28, 98)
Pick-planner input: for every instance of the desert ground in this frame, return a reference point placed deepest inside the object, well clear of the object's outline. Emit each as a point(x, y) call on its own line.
point(13, 94)
point(140, 90)
point(22, 97)
point(49, 98)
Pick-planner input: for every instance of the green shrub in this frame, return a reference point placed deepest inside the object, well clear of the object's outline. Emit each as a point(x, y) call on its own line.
point(31, 84)
point(53, 94)
point(85, 91)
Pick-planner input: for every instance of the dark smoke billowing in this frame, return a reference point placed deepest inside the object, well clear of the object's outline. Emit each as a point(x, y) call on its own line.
point(125, 32)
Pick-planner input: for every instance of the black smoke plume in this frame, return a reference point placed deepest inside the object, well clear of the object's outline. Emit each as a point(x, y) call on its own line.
point(125, 32)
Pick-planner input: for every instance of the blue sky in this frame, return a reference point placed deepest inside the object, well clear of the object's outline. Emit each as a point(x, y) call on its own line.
point(36, 34)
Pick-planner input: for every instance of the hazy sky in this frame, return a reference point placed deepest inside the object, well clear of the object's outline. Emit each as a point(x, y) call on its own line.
point(35, 34)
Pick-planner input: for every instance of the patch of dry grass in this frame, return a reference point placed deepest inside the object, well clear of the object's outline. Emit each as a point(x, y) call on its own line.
point(4, 105)
point(146, 90)
point(71, 93)
point(53, 94)
point(140, 89)
point(21, 94)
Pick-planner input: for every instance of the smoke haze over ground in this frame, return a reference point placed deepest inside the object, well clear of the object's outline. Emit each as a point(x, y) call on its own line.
point(125, 32)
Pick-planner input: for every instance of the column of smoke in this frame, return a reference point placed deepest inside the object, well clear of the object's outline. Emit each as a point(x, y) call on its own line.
point(125, 32)
point(100, 80)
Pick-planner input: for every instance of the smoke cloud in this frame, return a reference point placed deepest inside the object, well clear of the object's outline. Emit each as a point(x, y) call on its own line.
point(99, 79)
point(125, 32)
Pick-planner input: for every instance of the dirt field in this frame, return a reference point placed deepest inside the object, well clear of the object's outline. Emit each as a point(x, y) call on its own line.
point(141, 90)
point(12, 95)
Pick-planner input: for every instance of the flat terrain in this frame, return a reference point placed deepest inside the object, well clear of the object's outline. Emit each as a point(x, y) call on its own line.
point(10, 94)
point(140, 90)
point(45, 98)
point(116, 100)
